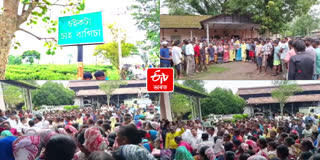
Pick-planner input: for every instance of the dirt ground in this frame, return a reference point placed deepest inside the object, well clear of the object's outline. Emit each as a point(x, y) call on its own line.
point(237, 71)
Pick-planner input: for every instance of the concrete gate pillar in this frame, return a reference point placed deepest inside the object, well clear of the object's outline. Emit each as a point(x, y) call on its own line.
point(165, 108)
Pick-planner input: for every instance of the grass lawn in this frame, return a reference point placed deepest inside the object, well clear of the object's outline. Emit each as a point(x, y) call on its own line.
point(211, 70)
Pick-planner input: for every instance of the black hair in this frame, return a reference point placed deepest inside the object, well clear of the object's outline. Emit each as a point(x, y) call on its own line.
point(308, 144)
point(290, 141)
point(31, 123)
point(39, 118)
point(228, 146)
point(87, 75)
point(251, 152)
point(202, 152)
point(273, 144)
point(244, 156)
point(106, 126)
point(229, 155)
point(99, 74)
point(178, 139)
point(100, 122)
point(22, 119)
point(290, 42)
point(60, 147)
point(299, 45)
point(176, 43)
point(111, 139)
point(305, 155)
point(205, 136)
point(131, 132)
point(236, 142)
point(263, 143)
point(100, 155)
point(80, 136)
point(282, 151)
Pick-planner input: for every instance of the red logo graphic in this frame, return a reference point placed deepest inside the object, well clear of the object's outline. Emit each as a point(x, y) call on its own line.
point(160, 80)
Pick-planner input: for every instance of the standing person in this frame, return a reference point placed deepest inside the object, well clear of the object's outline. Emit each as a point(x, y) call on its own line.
point(248, 46)
point(176, 57)
point(203, 58)
point(311, 50)
point(238, 50)
point(220, 53)
point(316, 45)
point(232, 52)
point(284, 49)
point(251, 51)
point(165, 59)
point(2, 116)
point(197, 56)
point(226, 54)
point(211, 52)
point(300, 65)
point(190, 65)
point(291, 53)
point(258, 56)
point(276, 58)
point(244, 51)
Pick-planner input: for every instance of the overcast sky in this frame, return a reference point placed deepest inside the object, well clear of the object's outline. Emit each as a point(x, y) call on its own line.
point(110, 10)
point(234, 85)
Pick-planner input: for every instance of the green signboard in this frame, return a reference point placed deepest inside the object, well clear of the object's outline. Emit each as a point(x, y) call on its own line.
point(81, 29)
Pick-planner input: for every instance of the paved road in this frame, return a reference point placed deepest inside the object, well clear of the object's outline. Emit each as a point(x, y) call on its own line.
point(238, 71)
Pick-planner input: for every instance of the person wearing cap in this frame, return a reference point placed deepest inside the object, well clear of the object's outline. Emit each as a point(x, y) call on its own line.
point(165, 59)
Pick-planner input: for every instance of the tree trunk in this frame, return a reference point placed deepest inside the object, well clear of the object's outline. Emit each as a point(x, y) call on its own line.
point(8, 26)
point(281, 109)
point(108, 100)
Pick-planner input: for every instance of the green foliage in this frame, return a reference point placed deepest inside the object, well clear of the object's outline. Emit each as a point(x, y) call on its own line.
point(53, 94)
point(55, 72)
point(299, 27)
point(12, 95)
point(41, 13)
point(147, 14)
point(110, 51)
point(71, 107)
point(109, 86)
point(14, 60)
point(271, 14)
point(180, 104)
point(196, 85)
point(238, 117)
point(222, 101)
point(284, 90)
point(29, 56)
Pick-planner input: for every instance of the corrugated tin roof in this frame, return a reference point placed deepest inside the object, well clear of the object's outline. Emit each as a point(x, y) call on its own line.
point(182, 21)
point(295, 98)
point(261, 90)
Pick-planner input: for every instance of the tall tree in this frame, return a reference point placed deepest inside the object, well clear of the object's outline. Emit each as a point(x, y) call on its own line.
point(15, 60)
point(180, 104)
point(52, 93)
point(147, 14)
point(271, 14)
point(31, 12)
point(299, 27)
point(29, 56)
point(109, 86)
point(111, 50)
point(12, 95)
point(222, 101)
point(284, 90)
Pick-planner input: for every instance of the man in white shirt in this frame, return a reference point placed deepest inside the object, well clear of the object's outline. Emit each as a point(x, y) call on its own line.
point(176, 57)
point(190, 58)
point(15, 123)
point(193, 139)
point(38, 122)
point(211, 134)
point(284, 49)
point(204, 142)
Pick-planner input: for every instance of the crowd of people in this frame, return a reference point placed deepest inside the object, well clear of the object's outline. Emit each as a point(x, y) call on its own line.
point(293, 59)
point(293, 137)
point(112, 133)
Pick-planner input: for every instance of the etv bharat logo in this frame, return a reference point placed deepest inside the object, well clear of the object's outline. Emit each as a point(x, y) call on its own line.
point(162, 78)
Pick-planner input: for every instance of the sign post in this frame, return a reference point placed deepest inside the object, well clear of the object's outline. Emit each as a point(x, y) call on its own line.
point(79, 30)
